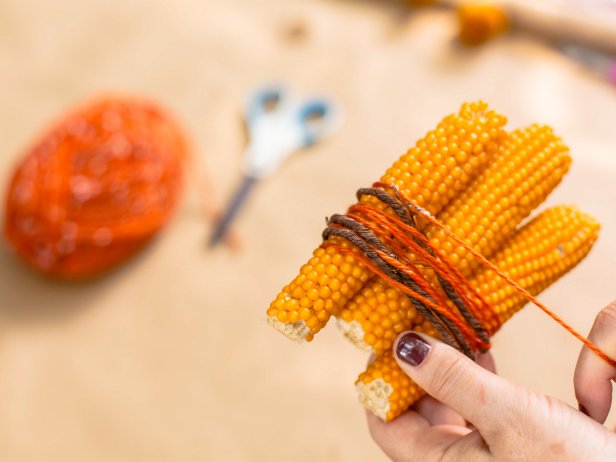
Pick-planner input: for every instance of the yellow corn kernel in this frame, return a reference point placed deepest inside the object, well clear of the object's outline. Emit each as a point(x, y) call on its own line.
point(539, 254)
point(433, 172)
point(529, 165)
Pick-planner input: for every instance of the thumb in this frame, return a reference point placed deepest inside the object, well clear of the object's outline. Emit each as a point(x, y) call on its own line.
point(481, 397)
point(593, 376)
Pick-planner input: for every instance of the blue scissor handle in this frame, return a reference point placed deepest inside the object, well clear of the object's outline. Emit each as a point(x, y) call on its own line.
point(317, 119)
point(279, 124)
point(259, 103)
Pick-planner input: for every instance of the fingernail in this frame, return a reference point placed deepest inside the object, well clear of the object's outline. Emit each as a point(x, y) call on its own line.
point(412, 349)
point(583, 409)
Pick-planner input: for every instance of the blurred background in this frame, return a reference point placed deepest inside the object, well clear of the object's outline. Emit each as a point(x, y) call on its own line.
point(169, 357)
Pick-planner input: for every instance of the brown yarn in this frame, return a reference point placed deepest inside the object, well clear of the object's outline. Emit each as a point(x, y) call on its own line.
point(365, 238)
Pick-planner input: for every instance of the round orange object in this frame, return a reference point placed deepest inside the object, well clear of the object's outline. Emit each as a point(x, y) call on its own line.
point(96, 187)
point(481, 22)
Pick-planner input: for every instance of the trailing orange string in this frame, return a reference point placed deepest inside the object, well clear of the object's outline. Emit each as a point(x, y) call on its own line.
point(394, 246)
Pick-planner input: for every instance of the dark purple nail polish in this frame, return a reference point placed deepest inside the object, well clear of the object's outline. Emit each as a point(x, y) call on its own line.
point(583, 409)
point(412, 349)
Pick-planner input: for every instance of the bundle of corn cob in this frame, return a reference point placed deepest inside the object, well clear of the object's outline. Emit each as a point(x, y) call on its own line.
point(480, 183)
point(436, 170)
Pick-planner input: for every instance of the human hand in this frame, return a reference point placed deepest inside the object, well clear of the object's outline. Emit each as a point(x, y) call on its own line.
point(473, 415)
point(593, 376)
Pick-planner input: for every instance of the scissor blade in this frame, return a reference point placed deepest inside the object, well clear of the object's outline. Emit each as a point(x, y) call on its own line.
point(239, 198)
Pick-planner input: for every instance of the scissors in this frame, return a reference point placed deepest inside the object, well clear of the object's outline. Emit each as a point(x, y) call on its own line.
point(279, 124)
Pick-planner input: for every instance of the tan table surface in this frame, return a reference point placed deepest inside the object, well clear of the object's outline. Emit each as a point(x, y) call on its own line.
point(169, 359)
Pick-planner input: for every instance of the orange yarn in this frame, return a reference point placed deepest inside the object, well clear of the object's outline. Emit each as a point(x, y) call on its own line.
point(95, 188)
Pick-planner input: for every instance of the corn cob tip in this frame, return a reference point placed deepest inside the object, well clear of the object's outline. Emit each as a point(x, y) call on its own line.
point(375, 396)
point(297, 331)
point(354, 332)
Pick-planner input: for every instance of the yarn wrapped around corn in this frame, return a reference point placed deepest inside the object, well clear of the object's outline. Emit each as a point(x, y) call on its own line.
point(433, 172)
point(438, 246)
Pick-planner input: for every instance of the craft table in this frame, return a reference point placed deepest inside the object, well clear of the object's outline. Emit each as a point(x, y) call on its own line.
point(170, 358)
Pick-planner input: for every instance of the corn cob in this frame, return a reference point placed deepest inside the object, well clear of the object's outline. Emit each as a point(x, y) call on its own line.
point(539, 254)
point(438, 168)
point(529, 165)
